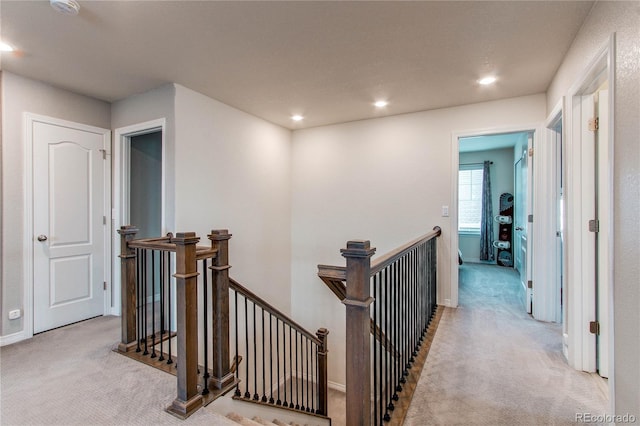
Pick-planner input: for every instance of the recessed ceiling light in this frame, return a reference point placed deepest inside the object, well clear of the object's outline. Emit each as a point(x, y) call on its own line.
point(4, 47)
point(381, 104)
point(487, 80)
point(296, 117)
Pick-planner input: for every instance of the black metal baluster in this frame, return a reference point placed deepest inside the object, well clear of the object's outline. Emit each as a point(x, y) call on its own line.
point(278, 400)
point(139, 301)
point(264, 370)
point(153, 304)
point(284, 365)
point(307, 344)
point(162, 318)
point(271, 401)
point(169, 305)
point(205, 328)
point(314, 369)
point(237, 360)
point(375, 349)
point(146, 295)
point(382, 404)
point(396, 335)
point(388, 354)
point(297, 372)
point(247, 394)
point(416, 302)
point(291, 404)
point(404, 335)
point(255, 356)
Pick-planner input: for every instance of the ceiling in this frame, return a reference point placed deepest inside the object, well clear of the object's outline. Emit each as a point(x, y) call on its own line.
point(490, 142)
point(328, 61)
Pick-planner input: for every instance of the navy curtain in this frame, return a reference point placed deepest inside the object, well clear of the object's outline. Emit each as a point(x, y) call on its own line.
point(487, 251)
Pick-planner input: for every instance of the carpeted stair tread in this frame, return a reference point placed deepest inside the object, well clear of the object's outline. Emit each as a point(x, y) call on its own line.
point(242, 420)
point(262, 421)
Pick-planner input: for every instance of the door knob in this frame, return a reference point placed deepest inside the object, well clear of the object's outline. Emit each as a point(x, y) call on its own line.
point(518, 228)
point(42, 238)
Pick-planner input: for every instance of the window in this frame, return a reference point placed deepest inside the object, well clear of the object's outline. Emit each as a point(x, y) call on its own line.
point(470, 198)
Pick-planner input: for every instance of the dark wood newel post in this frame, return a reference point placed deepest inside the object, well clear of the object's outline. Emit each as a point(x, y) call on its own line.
point(322, 372)
point(358, 351)
point(127, 287)
point(188, 399)
point(222, 375)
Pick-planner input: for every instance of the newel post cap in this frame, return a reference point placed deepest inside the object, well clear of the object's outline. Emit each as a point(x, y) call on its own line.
point(219, 235)
point(128, 230)
point(184, 238)
point(358, 248)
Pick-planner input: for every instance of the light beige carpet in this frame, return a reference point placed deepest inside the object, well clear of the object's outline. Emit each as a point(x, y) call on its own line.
point(70, 376)
point(492, 364)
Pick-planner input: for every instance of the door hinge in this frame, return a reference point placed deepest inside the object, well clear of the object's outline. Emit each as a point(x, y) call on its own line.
point(594, 225)
point(530, 284)
point(594, 327)
point(104, 153)
point(104, 285)
point(530, 218)
point(530, 152)
point(594, 124)
point(104, 220)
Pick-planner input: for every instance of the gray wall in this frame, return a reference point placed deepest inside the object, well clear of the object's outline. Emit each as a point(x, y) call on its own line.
point(145, 205)
point(501, 181)
point(20, 95)
point(623, 18)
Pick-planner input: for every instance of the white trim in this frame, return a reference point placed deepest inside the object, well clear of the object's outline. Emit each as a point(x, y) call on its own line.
point(121, 148)
point(10, 339)
point(337, 386)
point(28, 120)
point(581, 304)
point(545, 273)
point(453, 211)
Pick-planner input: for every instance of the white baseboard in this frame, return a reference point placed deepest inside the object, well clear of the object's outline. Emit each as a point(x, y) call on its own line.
point(13, 338)
point(447, 303)
point(336, 386)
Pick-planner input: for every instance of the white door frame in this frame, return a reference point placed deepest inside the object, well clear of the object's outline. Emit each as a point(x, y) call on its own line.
point(121, 160)
point(581, 297)
point(453, 212)
point(28, 121)
point(554, 271)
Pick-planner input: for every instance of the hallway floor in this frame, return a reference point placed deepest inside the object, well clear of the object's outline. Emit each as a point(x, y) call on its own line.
point(492, 364)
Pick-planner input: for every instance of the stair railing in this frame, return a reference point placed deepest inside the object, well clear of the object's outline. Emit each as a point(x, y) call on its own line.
point(393, 299)
point(167, 281)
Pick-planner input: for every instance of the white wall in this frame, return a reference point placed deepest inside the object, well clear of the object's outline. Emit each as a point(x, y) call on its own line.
point(153, 105)
point(384, 180)
point(501, 173)
point(623, 18)
point(233, 171)
point(20, 95)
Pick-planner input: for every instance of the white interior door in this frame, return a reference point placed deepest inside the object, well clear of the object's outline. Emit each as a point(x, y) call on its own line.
point(68, 225)
point(519, 224)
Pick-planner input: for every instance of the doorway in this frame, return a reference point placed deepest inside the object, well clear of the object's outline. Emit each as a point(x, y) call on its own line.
point(503, 151)
point(145, 184)
point(139, 187)
point(589, 214)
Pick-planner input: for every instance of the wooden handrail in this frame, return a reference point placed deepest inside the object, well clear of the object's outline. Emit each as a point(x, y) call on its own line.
point(239, 288)
point(331, 273)
point(167, 244)
point(387, 259)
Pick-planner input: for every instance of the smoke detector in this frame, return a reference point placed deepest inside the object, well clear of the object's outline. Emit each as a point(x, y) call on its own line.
point(66, 7)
